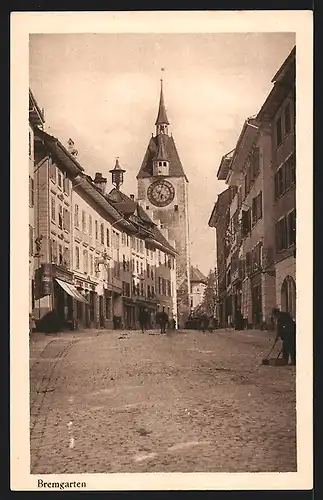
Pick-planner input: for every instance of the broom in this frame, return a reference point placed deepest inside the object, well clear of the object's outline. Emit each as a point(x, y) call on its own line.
point(266, 360)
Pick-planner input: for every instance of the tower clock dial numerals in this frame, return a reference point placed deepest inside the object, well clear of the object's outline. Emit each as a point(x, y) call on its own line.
point(161, 193)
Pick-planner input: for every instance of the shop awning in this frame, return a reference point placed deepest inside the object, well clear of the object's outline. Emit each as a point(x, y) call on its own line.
point(72, 291)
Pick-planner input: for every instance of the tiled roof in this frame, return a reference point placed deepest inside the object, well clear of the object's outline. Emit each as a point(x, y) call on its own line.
point(197, 276)
point(175, 166)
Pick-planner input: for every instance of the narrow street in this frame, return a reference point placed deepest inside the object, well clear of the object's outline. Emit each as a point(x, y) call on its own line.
point(116, 401)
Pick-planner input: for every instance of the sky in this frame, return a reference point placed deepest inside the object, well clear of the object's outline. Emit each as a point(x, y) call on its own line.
point(102, 90)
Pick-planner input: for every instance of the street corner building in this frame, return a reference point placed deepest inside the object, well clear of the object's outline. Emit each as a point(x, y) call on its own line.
point(97, 256)
point(255, 216)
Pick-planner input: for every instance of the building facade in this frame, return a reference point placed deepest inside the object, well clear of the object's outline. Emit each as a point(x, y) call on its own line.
point(260, 218)
point(36, 119)
point(219, 219)
point(198, 284)
point(278, 112)
point(163, 190)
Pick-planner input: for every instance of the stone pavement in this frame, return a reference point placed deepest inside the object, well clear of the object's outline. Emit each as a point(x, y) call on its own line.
point(117, 401)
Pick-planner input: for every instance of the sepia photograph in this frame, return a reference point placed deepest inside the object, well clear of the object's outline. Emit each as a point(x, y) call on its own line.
point(162, 266)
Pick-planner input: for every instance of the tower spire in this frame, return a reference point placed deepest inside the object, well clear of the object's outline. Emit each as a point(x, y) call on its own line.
point(162, 120)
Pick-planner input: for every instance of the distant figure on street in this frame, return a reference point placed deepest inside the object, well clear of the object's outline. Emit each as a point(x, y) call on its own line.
point(286, 330)
point(32, 323)
point(204, 322)
point(163, 320)
point(143, 318)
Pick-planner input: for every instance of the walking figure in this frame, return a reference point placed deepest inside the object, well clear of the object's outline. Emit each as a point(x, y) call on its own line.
point(163, 320)
point(286, 330)
point(143, 319)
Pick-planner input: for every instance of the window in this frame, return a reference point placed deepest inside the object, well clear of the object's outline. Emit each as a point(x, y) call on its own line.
point(76, 216)
point(83, 221)
point(123, 238)
point(85, 262)
point(256, 208)
point(141, 246)
point(147, 207)
point(96, 224)
point(152, 273)
point(281, 234)
point(102, 233)
point(290, 171)
point(66, 184)
point(137, 267)
point(52, 209)
point(279, 135)
point(291, 228)
point(117, 241)
point(77, 257)
point(66, 257)
point(91, 264)
point(280, 182)
point(152, 291)
point(255, 164)
point(52, 172)
point(169, 288)
point(124, 263)
point(127, 240)
point(66, 220)
point(90, 225)
point(246, 221)
point(30, 150)
point(54, 251)
point(60, 255)
point(148, 270)
point(141, 268)
point(287, 119)
point(60, 179)
point(176, 208)
point(31, 240)
point(60, 216)
point(159, 257)
point(142, 292)
point(31, 192)
point(159, 285)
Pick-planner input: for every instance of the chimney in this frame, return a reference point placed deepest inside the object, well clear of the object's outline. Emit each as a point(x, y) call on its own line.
point(100, 182)
point(132, 196)
point(71, 147)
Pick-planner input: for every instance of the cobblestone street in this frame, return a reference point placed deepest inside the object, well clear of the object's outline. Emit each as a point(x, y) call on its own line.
point(114, 401)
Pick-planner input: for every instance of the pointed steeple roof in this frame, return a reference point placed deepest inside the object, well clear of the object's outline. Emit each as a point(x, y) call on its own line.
point(162, 116)
point(161, 154)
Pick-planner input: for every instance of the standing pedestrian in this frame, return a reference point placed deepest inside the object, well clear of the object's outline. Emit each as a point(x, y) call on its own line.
point(163, 320)
point(32, 323)
point(142, 320)
point(286, 330)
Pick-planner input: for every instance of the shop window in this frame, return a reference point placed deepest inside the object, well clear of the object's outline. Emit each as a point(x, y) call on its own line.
point(31, 192)
point(279, 134)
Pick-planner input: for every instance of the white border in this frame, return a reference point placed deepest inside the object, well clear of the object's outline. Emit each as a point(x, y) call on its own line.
point(22, 24)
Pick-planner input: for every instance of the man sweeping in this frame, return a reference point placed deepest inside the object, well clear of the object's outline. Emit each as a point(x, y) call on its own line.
point(286, 330)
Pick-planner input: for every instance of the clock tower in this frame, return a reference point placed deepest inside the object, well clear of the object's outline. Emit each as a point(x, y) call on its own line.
point(163, 191)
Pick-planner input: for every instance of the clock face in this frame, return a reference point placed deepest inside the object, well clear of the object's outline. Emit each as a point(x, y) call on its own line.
point(161, 193)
